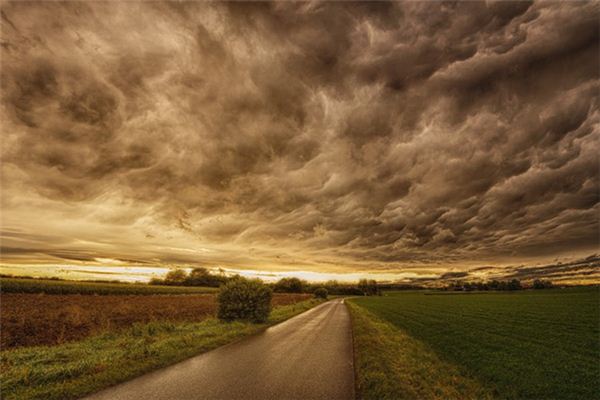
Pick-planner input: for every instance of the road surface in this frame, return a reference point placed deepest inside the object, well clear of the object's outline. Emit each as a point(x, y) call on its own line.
point(306, 357)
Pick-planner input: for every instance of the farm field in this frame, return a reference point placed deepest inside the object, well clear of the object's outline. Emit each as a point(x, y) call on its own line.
point(41, 319)
point(526, 344)
point(75, 368)
point(51, 286)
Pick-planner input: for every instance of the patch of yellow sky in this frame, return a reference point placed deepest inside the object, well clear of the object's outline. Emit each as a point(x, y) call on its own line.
point(107, 269)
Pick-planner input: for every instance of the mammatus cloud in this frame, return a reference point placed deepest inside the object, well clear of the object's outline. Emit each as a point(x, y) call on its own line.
point(318, 136)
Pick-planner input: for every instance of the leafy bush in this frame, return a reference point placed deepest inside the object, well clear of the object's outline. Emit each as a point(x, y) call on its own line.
point(245, 299)
point(320, 293)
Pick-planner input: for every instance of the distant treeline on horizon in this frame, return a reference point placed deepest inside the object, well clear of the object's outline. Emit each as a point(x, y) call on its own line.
point(202, 277)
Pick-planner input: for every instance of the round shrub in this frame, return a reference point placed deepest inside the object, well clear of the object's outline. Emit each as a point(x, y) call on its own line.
point(320, 293)
point(245, 299)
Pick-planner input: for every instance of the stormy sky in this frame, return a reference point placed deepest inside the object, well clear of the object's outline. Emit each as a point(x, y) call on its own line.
point(324, 137)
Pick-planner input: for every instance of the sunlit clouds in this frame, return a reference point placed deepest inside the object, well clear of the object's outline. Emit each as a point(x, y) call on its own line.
point(328, 138)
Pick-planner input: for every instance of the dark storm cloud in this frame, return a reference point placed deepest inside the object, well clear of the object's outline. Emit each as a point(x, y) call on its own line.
point(579, 271)
point(376, 136)
point(453, 275)
point(587, 266)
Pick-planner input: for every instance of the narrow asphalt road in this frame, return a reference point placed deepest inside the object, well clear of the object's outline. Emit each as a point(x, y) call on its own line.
point(306, 357)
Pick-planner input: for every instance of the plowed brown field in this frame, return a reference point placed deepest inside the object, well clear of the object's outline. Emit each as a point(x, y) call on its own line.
point(40, 319)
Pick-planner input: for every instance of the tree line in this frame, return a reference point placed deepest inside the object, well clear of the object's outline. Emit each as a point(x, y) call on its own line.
point(203, 277)
point(200, 276)
point(508, 285)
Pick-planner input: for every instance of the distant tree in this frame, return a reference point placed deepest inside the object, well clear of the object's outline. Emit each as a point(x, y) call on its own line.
point(363, 285)
point(290, 285)
point(542, 284)
point(200, 276)
point(199, 272)
point(156, 281)
point(368, 287)
point(514, 284)
point(348, 289)
point(175, 277)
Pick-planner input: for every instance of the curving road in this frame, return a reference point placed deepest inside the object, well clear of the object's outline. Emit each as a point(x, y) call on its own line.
point(306, 357)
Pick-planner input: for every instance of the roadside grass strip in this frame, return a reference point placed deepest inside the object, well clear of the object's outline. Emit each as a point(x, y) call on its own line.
point(75, 369)
point(390, 364)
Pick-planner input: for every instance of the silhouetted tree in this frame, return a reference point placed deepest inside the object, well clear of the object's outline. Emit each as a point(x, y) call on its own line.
point(175, 277)
point(202, 277)
point(514, 284)
point(542, 284)
point(368, 287)
point(290, 285)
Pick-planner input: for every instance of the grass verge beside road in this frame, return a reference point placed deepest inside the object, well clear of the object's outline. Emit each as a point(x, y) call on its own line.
point(73, 370)
point(392, 365)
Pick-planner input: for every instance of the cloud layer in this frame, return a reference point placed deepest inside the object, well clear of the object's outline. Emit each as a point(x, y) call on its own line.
point(323, 136)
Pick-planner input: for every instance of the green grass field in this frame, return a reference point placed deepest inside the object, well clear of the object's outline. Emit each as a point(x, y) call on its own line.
point(530, 344)
point(72, 370)
point(50, 286)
